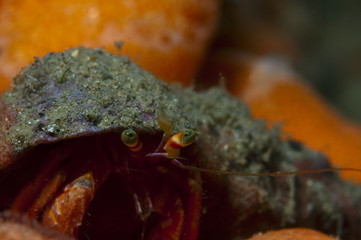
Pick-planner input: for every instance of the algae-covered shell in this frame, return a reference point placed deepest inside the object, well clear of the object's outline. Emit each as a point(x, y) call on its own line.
point(83, 92)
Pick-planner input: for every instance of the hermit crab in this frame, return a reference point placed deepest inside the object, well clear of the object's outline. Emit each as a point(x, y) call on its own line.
point(95, 147)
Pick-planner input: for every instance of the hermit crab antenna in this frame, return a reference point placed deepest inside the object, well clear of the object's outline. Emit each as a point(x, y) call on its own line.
point(269, 174)
point(165, 123)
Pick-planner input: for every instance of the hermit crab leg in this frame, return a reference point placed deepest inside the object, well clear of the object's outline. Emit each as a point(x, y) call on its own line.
point(67, 211)
point(46, 195)
point(30, 191)
point(193, 206)
point(180, 220)
point(170, 227)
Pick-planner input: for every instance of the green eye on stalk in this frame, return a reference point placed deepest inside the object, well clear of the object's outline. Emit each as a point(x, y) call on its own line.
point(129, 138)
point(188, 137)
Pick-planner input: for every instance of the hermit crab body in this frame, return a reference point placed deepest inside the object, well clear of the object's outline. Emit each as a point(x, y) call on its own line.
point(94, 147)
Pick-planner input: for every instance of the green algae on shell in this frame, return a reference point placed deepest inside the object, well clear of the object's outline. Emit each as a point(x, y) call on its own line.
point(99, 92)
point(82, 92)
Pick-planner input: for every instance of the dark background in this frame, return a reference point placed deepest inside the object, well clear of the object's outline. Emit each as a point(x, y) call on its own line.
point(321, 39)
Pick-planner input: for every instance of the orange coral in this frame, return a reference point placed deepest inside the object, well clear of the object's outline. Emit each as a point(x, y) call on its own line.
point(292, 234)
point(15, 231)
point(166, 37)
point(17, 227)
point(274, 92)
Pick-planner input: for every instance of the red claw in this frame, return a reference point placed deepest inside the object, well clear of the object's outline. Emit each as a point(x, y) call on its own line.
point(67, 210)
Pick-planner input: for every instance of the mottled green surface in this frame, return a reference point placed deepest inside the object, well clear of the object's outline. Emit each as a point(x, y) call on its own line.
point(80, 92)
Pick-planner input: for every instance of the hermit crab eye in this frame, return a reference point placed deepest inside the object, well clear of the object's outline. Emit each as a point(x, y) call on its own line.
point(188, 137)
point(129, 138)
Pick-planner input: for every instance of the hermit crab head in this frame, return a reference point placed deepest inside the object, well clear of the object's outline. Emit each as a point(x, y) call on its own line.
point(88, 146)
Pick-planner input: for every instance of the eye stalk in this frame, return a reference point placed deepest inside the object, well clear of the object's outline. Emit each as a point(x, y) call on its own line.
point(178, 141)
point(130, 138)
point(188, 137)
